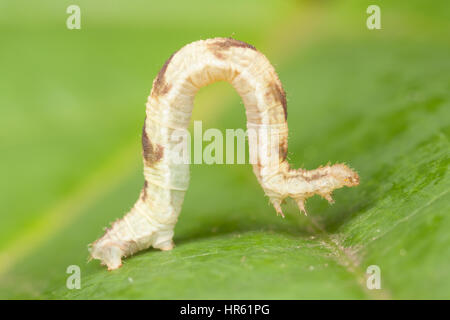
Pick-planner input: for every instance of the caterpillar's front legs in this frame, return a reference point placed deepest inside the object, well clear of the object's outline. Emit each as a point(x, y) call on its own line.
point(277, 205)
point(302, 184)
point(301, 205)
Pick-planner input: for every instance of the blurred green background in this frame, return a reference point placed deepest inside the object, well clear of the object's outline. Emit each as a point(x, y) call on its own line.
point(71, 111)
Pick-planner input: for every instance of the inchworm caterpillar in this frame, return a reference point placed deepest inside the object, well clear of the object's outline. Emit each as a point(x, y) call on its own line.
point(152, 219)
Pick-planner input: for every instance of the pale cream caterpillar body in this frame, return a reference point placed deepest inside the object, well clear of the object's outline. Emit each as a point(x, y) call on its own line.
point(152, 219)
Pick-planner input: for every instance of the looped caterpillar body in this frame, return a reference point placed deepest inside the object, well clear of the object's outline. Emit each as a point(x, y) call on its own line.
point(152, 219)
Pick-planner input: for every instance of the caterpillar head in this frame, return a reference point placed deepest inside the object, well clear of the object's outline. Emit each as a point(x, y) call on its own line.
point(343, 176)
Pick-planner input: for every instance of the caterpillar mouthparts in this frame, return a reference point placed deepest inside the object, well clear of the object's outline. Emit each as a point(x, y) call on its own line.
point(152, 219)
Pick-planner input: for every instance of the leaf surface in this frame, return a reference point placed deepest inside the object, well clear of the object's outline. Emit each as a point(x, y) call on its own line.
point(377, 100)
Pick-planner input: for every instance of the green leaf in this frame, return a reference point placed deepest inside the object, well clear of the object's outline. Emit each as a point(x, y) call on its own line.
point(377, 100)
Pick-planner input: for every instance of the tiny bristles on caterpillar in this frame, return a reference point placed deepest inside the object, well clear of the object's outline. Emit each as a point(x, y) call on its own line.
point(152, 219)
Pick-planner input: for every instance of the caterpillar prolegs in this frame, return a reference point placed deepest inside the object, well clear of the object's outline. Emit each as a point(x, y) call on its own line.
point(152, 219)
